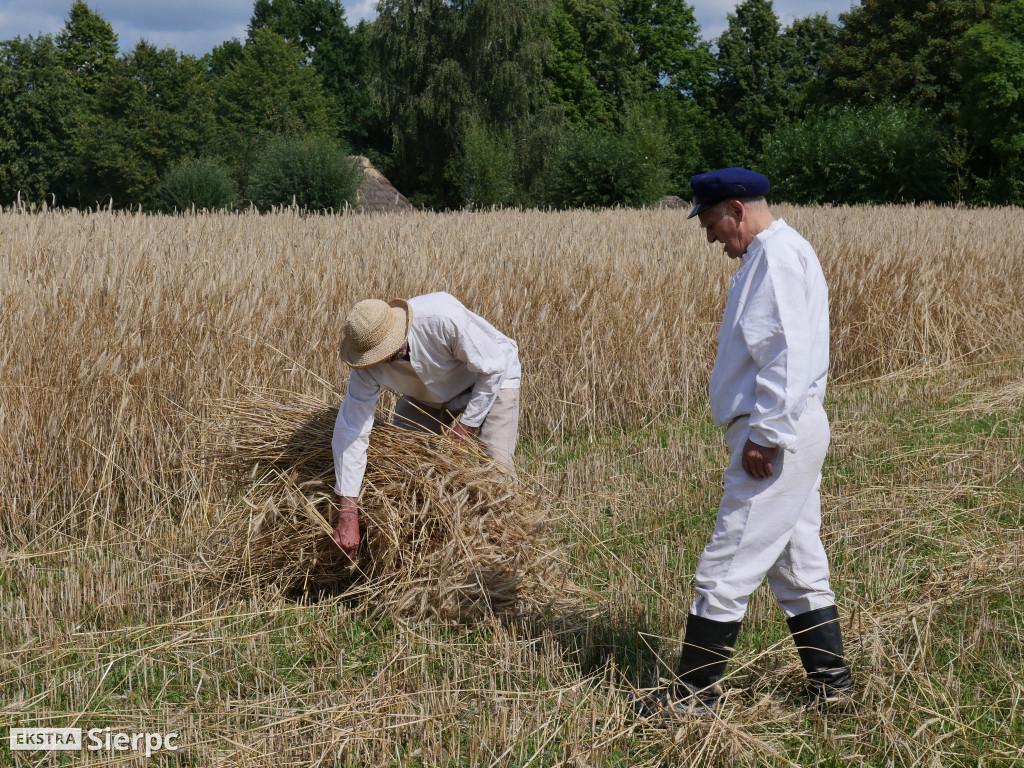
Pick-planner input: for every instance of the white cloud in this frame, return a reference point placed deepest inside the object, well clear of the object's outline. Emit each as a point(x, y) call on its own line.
point(357, 10)
point(189, 26)
point(711, 14)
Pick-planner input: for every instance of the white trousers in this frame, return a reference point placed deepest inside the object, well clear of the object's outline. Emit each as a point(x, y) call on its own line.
point(768, 528)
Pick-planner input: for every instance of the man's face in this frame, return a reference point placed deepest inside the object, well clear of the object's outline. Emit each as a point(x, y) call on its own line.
point(722, 225)
point(401, 354)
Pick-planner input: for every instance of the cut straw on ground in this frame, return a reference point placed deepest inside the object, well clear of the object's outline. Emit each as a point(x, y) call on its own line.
point(446, 536)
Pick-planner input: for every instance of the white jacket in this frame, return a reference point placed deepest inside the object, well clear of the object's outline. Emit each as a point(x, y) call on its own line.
point(773, 343)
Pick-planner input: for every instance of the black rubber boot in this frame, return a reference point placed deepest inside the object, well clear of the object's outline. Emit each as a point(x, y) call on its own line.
point(707, 648)
point(819, 641)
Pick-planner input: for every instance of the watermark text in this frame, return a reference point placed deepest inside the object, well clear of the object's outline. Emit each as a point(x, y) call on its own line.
point(95, 740)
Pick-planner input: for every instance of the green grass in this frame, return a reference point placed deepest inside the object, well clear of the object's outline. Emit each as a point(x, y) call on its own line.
point(927, 552)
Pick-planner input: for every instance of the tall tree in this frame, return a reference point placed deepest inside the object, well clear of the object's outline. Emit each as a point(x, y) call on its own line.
point(575, 87)
point(807, 45)
point(894, 49)
point(219, 61)
point(750, 92)
point(336, 51)
point(88, 45)
point(441, 66)
point(677, 71)
point(88, 49)
point(613, 60)
point(610, 55)
point(313, 25)
point(39, 107)
point(153, 110)
point(595, 70)
point(267, 90)
point(667, 44)
point(992, 67)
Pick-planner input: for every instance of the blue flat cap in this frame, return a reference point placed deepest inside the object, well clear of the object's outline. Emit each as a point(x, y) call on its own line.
point(713, 187)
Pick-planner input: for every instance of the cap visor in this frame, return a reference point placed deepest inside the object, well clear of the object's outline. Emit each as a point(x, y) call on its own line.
point(701, 207)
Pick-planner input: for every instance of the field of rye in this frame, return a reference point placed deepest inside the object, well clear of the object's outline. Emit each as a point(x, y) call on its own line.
point(120, 334)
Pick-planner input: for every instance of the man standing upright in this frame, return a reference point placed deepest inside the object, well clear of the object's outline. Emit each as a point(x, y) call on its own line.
point(767, 388)
point(454, 371)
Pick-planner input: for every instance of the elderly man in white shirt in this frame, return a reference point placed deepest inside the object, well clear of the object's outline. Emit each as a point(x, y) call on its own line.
point(766, 390)
point(453, 369)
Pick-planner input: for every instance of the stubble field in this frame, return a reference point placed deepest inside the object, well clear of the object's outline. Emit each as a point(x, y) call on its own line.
point(119, 334)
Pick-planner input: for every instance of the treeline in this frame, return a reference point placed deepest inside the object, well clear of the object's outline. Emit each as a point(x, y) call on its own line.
point(558, 103)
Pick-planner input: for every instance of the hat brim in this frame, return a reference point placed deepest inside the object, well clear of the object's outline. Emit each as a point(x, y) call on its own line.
point(402, 314)
point(701, 207)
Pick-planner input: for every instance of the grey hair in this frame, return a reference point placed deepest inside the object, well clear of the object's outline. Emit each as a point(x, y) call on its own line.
point(750, 202)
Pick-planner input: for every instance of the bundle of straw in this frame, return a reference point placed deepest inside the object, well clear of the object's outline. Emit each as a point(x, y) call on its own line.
point(446, 536)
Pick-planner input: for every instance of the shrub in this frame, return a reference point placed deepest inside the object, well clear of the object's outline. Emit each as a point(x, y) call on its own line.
point(313, 171)
point(202, 183)
point(598, 168)
point(488, 165)
point(879, 154)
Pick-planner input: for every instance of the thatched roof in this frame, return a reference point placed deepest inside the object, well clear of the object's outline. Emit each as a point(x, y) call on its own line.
point(376, 193)
point(673, 201)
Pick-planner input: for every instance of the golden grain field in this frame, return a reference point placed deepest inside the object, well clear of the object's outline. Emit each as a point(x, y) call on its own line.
point(120, 333)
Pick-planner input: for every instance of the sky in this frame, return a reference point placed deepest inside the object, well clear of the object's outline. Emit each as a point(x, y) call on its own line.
point(196, 26)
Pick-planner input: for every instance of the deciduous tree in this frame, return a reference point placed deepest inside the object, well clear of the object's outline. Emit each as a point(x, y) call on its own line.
point(608, 56)
point(266, 91)
point(613, 60)
point(336, 51)
point(992, 67)
point(39, 107)
point(907, 51)
point(154, 109)
point(807, 45)
point(750, 93)
point(88, 46)
point(667, 45)
point(439, 67)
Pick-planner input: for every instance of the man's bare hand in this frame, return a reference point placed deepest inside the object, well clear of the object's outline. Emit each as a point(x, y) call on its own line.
point(464, 435)
point(757, 460)
point(346, 532)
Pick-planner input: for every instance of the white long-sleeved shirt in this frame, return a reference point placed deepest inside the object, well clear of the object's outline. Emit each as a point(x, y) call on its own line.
point(451, 350)
point(773, 342)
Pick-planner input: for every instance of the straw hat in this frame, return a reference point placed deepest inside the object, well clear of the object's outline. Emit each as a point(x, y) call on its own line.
point(374, 331)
